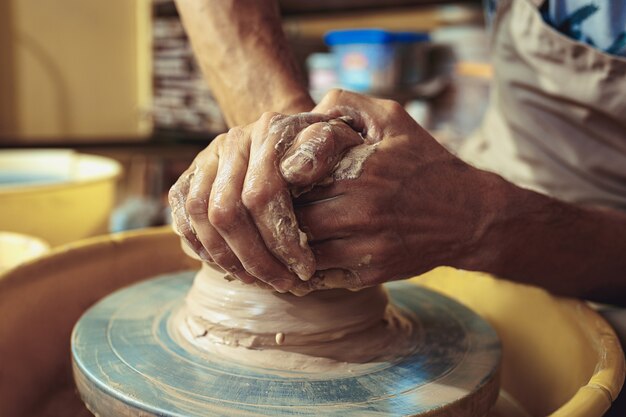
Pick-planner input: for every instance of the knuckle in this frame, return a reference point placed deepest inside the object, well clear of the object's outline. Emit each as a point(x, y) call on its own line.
point(255, 199)
point(268, 117)
point(196, 207)
point(201, 157)
point(224, 217)
point(331, 98)
point(392, 106)
point(219, 139)
point(235, 133)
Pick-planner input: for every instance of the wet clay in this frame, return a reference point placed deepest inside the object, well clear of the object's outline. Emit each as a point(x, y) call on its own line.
point(326, 331)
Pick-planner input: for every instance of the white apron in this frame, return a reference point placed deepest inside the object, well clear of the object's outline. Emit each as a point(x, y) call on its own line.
point(556, 122)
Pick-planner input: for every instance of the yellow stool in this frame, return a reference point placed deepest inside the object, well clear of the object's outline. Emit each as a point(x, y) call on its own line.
point(560, 357)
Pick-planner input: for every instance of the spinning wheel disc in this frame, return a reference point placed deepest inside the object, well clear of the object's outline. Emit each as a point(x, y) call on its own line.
point(126, 362)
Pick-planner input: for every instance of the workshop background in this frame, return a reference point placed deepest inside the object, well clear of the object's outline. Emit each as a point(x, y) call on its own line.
point(118, 79)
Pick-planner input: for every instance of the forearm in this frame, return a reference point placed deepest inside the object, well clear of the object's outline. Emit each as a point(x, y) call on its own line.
point(569, 250)
point(244, 55)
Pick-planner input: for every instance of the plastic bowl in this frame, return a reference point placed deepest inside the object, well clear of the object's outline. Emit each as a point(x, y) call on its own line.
point(58, 195)
point(16, 248)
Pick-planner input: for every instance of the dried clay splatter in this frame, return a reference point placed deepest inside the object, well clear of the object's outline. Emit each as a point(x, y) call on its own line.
point(286, 233)
point(351, 165)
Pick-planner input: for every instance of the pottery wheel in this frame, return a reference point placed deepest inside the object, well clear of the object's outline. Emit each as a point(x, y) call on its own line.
point(128, 362)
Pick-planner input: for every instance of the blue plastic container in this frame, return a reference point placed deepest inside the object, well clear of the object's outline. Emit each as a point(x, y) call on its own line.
point(376, 60)
point(412, 53)
point(366, 59)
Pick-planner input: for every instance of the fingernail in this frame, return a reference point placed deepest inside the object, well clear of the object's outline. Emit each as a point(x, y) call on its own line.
point(297, 162)
point(305, 268)
point(302, 271)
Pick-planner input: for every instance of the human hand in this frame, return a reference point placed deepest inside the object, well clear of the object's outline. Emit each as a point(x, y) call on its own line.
point(233, 207)
point(413, 207)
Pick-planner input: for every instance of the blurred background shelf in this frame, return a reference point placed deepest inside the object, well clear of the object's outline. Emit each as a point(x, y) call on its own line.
point(118, 78)
point(118, 71)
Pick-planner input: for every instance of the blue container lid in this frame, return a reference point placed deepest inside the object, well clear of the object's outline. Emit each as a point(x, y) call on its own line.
point(356, 36)
point(410, 37)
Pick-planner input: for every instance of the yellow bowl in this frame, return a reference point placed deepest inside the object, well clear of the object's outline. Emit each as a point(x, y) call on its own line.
point(16, 248)
point(560, 358)
point(57, 195)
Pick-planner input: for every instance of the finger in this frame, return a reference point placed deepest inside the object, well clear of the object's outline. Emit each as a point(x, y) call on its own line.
point(276, 222)
point(197, 201)
point(194, 209)
point(214, 248)
point(189, 252)
point(266, 196)
point(331, 218)
point(364, 113)
point(337, 103)
point(316, 151)
point(182, 224)
point(284, 129)
point(226, 259)
point(229, 217)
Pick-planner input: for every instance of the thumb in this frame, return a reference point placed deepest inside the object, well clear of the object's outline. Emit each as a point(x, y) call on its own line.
point(317, 150)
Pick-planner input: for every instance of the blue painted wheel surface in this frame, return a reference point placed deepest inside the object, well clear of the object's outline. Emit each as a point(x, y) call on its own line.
point(125, 361)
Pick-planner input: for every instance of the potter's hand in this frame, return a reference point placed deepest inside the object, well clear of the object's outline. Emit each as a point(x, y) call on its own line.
point(233, 207)
point(414, 206)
